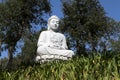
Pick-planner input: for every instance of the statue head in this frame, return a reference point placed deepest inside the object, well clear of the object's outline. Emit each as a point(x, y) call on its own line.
point(53, 23)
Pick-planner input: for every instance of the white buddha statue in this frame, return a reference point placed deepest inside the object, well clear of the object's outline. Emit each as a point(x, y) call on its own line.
point(52, 44)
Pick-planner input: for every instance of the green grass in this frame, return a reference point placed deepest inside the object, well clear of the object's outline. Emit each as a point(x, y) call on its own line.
point(94, 67)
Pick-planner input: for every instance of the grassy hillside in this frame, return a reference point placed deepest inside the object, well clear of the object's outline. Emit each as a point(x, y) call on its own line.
point(94, 67)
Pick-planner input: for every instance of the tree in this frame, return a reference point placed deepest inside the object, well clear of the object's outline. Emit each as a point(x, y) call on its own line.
point(84, 23)
point(28, 53)
point(16, 17)
point(114, 34)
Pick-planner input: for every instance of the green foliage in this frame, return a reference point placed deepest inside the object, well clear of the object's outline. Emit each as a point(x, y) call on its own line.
point(29, 49)
point(84, 22)
point(112, 36)
point(115, 45)
point(16, 17)
point(27, 54)
point(3, 63)
point(94, 67)
point(115, 31)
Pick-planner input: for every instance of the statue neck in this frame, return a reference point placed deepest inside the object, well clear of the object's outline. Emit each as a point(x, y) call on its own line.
point(53, 30)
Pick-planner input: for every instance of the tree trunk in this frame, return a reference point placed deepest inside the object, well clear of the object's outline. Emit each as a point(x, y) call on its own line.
point(10, 57)
point(80, 49)
point(94, 44)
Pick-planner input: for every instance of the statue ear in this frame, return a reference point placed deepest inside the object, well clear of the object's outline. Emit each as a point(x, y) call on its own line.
point(48, 27)
point(48, 24)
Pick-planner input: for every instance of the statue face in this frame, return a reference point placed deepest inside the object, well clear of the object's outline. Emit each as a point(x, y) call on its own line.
point(54, 24)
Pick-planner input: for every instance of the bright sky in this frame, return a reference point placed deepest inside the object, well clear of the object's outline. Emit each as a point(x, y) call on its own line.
point(57, 8)
point(111, 7)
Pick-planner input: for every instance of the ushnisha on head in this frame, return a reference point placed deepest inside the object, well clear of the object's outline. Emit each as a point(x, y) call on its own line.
point(53, 23)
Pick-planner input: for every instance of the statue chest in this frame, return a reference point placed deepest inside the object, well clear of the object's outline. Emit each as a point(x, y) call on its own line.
point(55, 39)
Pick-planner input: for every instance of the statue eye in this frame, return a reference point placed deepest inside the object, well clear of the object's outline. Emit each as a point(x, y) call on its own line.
point(57, 22)
point(53, 21)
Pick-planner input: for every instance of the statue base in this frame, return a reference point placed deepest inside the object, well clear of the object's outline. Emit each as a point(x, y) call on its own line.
point(47, 58)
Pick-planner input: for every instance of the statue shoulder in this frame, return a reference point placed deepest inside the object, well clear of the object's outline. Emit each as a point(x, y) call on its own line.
point(44, 32)
point(62, 35)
